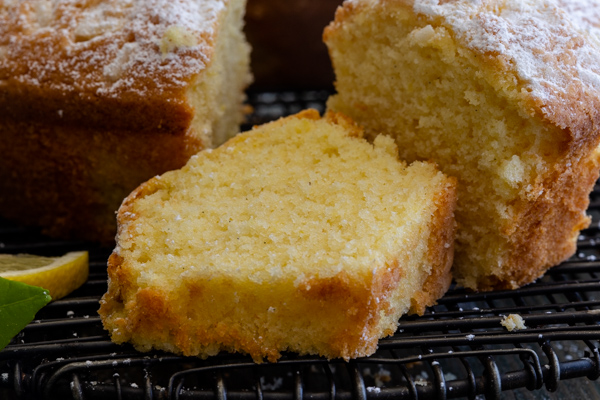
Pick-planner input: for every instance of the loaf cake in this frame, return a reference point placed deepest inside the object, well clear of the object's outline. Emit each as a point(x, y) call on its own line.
point(502, 95)
point(298, 235)
point(97, 97)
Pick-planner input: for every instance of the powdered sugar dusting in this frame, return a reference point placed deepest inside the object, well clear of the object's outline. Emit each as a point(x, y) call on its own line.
point(101, 19)
point(552, 58)
point(104, 48)
point(585, 14)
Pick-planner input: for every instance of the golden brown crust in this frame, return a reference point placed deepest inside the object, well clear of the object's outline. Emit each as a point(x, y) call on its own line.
point(310, 113)
point(545, 231)
point(72, 179)
point(360, 332)
point(351, 127)
point(342, 15)
point(441, 251)
point(61, 59)
point(147, 315)
point(164, 113)
point(337, 118)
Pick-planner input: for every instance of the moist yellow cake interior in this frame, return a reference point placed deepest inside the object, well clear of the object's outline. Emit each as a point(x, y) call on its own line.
point(319, 218)
point(291, 234)
point(430, 91)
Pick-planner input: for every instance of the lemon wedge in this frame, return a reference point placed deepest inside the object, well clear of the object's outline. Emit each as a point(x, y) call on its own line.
point(58, 275)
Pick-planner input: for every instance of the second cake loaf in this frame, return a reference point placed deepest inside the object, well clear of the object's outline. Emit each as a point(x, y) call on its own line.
point(99, 96)
point(298, 235)
point(503, 95)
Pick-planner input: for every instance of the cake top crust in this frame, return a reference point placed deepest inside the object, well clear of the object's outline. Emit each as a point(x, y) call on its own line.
point(551, 58)
point(106, 48)
point(540, 53)
point(585, 14)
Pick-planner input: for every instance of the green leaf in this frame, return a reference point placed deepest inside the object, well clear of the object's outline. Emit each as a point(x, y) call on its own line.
point(18, 305)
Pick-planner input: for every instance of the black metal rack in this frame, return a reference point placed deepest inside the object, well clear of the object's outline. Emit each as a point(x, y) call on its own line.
point(458, 349)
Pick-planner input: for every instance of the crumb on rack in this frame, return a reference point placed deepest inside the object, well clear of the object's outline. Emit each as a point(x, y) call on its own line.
point(513, 322)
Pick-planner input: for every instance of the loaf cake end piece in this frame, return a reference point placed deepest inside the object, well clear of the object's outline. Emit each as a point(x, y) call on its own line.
point(505, 96)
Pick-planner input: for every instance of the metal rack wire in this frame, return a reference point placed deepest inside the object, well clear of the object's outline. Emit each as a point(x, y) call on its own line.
point(458, 349)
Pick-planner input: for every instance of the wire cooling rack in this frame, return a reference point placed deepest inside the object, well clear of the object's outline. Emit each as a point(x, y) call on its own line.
point(458, 349)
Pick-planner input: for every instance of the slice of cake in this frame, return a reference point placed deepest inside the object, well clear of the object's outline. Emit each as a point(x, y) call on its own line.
point(503, 95)
point(298, 235)
point(99, 96)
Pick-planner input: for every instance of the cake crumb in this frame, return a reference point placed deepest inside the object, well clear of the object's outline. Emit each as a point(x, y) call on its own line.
point(513, 322)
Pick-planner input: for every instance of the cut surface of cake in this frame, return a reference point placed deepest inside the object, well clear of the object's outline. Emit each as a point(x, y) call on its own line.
point(99, 96)
point(502, 95)
point(298, 235)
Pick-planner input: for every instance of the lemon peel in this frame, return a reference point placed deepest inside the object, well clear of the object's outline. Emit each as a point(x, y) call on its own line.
point(58, 275)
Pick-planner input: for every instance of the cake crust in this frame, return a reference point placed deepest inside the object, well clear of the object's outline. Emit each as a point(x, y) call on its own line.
point(101, 64)
point(105, 95)
point(546, 231)
point(441, 244)
point(512, 59)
